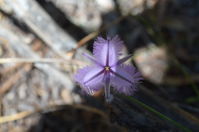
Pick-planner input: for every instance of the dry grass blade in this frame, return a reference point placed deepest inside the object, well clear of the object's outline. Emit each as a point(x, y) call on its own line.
point(39, 60)
point(9, 70)
point(12, 80)
point(14, 117)
point(181, 81)
point(30, 60)
point(92, 35)
point(24, 114)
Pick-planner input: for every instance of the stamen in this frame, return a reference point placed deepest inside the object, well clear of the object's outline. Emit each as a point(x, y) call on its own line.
point(107, 68)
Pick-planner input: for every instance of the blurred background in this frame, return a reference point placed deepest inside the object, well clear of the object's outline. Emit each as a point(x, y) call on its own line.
point(41, 46)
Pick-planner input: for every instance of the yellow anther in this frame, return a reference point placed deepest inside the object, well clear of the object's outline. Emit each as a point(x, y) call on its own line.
point(107, 68)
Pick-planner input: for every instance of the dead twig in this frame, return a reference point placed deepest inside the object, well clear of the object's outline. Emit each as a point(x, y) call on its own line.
point(30, 60)
point(40, 60)
point(1, 107)
point(17, 116)
point(8, 70)
point(180, 80)
point(92, 35)
point(24, 114)
point(11, 69)
point(13, 79)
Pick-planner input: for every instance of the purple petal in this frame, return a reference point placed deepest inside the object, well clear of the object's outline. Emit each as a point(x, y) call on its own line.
point(92, 59)
point(125, 79)
point(90, 78)
point(107, 50)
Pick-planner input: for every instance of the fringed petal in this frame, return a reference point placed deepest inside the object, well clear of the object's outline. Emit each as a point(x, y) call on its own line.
point(107, 49)
point(90, 78)
point(125, 79)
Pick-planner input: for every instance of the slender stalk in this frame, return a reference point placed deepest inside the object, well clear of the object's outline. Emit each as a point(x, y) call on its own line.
point(180, 126)
point(187, 75)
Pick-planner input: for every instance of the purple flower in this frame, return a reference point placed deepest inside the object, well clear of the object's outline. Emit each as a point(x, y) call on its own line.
point(108, 70)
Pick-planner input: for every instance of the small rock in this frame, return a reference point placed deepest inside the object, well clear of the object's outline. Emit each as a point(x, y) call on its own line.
point(152, 62)
point(66, 96)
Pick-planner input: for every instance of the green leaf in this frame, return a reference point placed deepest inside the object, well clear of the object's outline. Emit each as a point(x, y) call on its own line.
point(180, 126)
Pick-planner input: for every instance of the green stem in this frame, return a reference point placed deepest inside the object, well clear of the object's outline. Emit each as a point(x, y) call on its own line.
point(183, 128)
point(186, 74)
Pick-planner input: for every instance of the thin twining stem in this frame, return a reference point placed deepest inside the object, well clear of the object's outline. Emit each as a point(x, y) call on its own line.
point(93, 77)
point(120, 76)
point(122, 60)
point(92, 59)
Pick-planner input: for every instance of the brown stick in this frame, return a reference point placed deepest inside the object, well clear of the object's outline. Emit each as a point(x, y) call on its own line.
point(13, 79)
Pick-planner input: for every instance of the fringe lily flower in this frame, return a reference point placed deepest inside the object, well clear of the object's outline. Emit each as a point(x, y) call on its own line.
point(108, 70)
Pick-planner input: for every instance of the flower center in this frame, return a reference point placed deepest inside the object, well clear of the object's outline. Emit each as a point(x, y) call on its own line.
point(107, 68)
